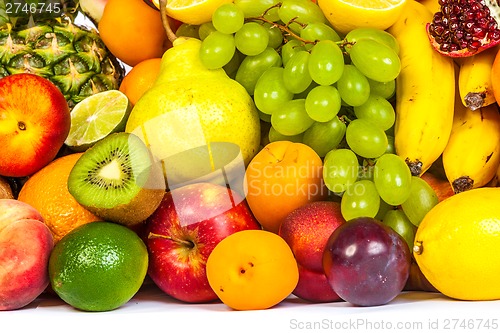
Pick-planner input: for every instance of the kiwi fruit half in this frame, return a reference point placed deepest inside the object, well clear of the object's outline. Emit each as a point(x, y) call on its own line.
point(118, 180)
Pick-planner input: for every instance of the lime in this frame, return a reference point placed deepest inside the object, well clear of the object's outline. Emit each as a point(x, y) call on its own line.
point(96, 117)
point(98, 266)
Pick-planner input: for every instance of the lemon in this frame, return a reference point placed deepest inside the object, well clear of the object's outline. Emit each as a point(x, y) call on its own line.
point(98, 266)
point(97, 116)
point(193, 12)
point(346, 15)
point(456, 245)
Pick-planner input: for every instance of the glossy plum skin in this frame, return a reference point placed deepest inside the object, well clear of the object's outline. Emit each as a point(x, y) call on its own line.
point(366, 262)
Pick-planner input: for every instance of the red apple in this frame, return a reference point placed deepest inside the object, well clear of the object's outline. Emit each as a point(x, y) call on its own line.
point(313, 286)
point(25, 247)
point(34, 122)
point(441, 186)
point(190, 221)
point(306, 230)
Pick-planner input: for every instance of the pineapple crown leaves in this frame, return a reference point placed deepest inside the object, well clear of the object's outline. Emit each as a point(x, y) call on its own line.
point(4, 19)
point(69, 8)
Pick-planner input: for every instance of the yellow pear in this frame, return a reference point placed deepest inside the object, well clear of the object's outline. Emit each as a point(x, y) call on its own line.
point(193, 118)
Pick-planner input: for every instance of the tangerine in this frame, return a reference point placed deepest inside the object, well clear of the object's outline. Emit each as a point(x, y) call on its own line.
point(47, 191)
point(133, 31)
point(140, 78)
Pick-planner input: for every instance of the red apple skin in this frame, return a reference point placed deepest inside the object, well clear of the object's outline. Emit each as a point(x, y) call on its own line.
point(34, 122)
point(442, 187)
point(307, 229)
point(190, 221)
point(314, 287)
point(25, 247)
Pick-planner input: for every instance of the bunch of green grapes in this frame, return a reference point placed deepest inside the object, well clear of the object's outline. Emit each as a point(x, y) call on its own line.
point(329, 92)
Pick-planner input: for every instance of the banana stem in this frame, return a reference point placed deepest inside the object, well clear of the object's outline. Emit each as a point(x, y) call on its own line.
point(164, 19)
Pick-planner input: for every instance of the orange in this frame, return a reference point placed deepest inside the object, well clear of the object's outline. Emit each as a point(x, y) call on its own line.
point(282, 177)
point(495, 77)
point(140, 78)
point(346, 15)
point(47, 191)
point(252, 270)
point(133, 31)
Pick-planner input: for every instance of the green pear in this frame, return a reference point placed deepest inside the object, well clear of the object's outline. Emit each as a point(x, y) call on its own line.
point(192, 118)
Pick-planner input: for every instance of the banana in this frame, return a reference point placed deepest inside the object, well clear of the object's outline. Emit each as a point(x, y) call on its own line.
point(474, 79)
point(472, 156)
point(425, 92)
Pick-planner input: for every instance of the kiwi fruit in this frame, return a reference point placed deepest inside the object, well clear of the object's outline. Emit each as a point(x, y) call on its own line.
point(118, 180)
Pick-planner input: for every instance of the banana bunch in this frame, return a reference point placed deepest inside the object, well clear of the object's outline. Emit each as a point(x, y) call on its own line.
point(425, 91)
point(474, 79)
point(472, 156)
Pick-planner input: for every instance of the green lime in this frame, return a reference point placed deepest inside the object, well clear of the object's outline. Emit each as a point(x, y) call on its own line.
point(98, 266)
point(96, 117)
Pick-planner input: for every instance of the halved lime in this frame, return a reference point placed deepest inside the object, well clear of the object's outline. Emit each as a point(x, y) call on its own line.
point(96, 117)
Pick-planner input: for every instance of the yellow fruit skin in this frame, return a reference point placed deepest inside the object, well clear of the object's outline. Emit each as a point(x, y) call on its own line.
point(472, 156)
point(426, 92)
point(456, 245)
point(474, 79)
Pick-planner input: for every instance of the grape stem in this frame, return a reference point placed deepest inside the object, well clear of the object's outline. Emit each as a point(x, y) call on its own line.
point(164, 20)
point(285, 28)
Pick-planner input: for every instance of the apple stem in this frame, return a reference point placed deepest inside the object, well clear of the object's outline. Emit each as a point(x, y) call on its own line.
point(152, 235)
point(164, 19)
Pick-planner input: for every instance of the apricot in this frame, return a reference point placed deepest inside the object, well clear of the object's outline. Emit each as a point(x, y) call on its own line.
point(252, 270)
point(282, 177)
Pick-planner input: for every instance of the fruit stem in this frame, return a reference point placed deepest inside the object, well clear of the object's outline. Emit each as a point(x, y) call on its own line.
point(189, 244)
point(166, 24)
point(418, 248)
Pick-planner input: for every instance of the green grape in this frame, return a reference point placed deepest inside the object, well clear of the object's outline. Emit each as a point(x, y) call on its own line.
point(383, 89)
point(375, 60)
point(228, 18)
point(291, 118)
point(391, 148)
point(270, 93)
point(399, 222)
point(353, 86)
point(188, 30)
point(296, 13)
point(252, 67)
point(384, 208)
point(306, 92)
point(323, 137)
point(326, 63)
point(274, 135)
point(360, 200)
point(251, 39)
point(289, 49)
point(231, 68)
point(422, 198)
point(264, 116)
point(255, 8)
point(216, 50)
point(378, 110)
point(340, 169)
point(318, 31)
point(366, 170)
point(323, 103)
point(275, 35)
point(205, 29)
point(392, 177)
point(366, 139)
point(375, 34)
point(296, 73)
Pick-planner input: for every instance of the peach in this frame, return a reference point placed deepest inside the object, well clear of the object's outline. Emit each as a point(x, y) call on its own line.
point(34, 122)
point(282, 177)
point(25, 247)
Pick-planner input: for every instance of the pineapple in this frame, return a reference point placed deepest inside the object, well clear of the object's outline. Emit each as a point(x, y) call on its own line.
point(73, 57)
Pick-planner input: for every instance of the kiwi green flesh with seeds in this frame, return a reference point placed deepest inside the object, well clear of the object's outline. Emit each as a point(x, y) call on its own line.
point(118, 180)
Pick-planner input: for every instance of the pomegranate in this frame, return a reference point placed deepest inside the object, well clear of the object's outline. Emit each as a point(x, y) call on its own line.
point(463, 28)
